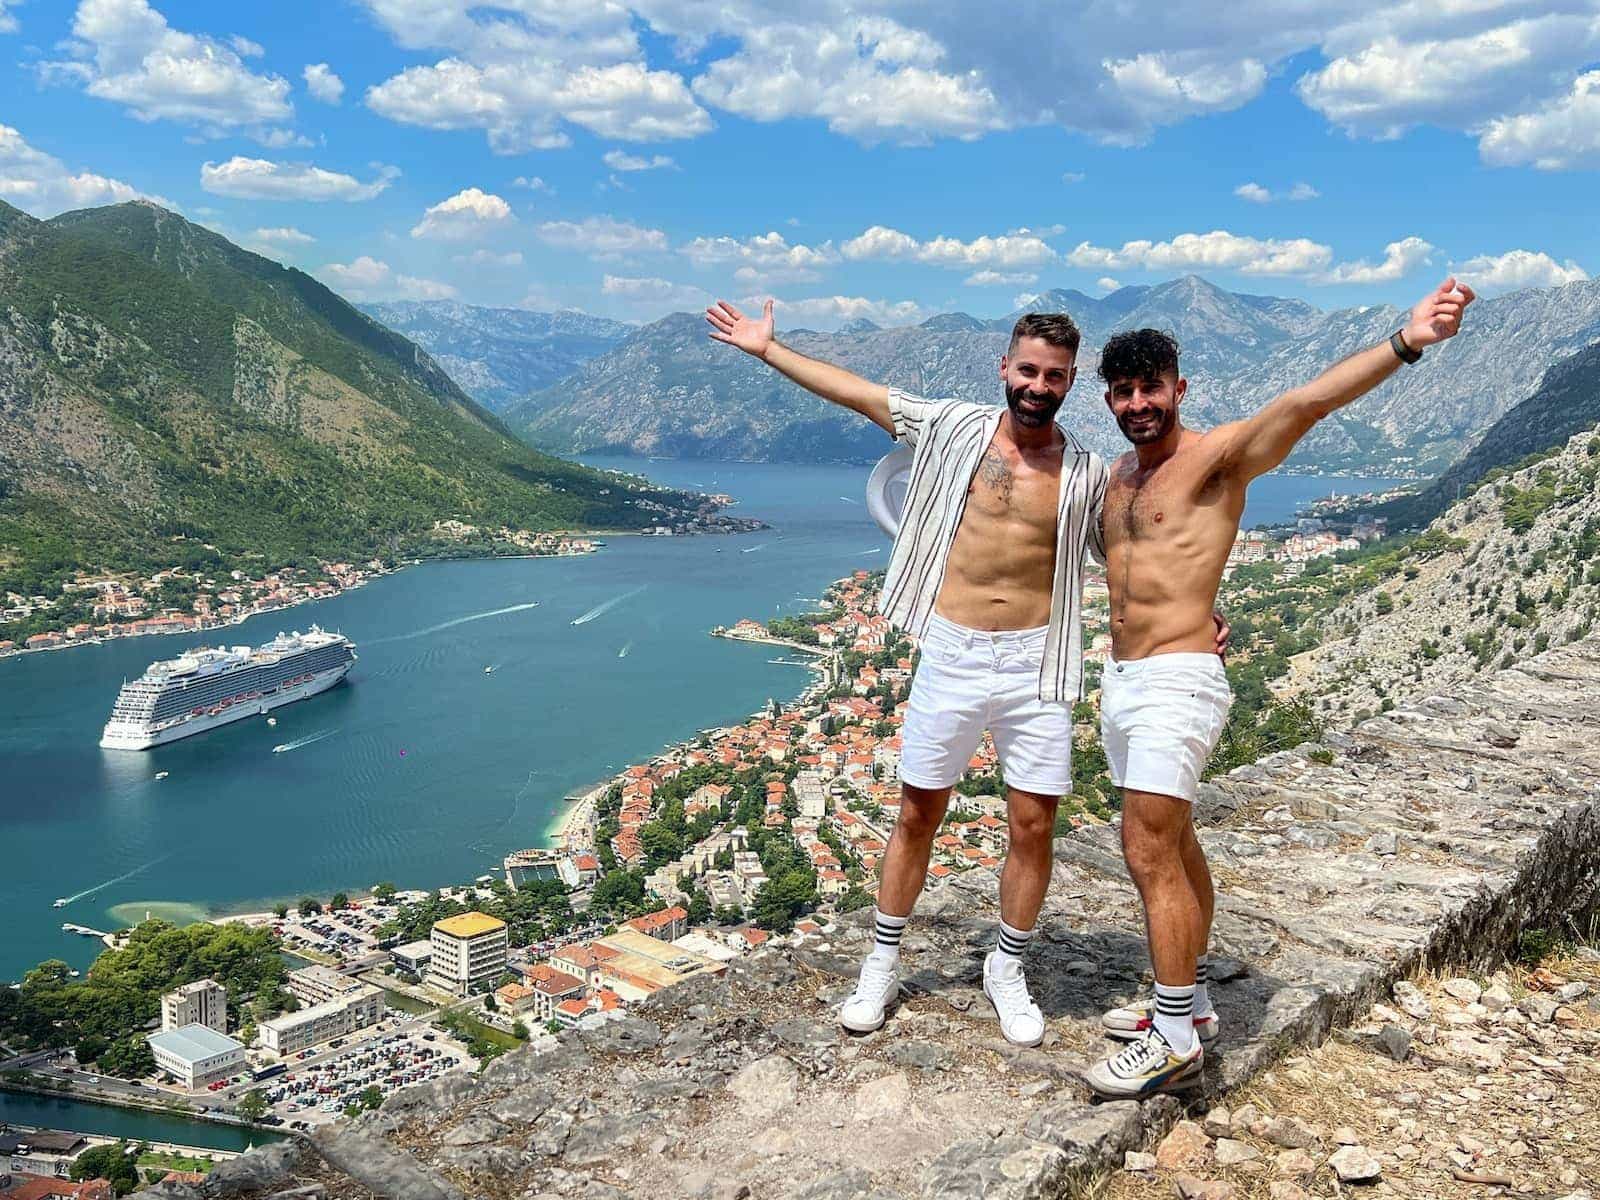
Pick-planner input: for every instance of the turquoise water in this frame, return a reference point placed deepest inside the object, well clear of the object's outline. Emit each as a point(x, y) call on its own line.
point(421, 769)
point(22, 1108)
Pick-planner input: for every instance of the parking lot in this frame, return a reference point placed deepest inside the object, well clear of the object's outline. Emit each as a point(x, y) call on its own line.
point(312, 1092)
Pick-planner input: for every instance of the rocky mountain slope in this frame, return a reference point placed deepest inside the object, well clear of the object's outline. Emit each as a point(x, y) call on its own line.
point(158, 383)
point(1503, 573)
point(668, 390)
point(1566, 402)
point(498, 355)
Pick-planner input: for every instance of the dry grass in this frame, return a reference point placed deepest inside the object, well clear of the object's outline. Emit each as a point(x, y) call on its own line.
point(1539, 1126)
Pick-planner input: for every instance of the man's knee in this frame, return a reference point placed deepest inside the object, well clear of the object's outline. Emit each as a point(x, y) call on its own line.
point(921, 810)
point(1030, 818)
point(1153, 830)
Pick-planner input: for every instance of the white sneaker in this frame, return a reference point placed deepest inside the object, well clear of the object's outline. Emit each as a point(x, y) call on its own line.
point(876, 989)
point(1020, 1018)
point(1145, 1068)
point(1132, 1021)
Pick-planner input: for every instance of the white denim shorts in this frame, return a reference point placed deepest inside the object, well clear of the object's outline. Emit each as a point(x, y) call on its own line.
point(970, 680)
point(1160, 718)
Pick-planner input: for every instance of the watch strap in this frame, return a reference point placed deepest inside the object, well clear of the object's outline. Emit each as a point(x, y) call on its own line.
point(1404, 352)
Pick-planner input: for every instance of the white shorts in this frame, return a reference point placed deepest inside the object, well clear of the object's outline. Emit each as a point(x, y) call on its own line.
point(1160, 718)
point(970, 680)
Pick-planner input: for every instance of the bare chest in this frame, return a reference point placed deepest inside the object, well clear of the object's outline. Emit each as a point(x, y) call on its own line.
point(1141, 506)
point(1007, 489)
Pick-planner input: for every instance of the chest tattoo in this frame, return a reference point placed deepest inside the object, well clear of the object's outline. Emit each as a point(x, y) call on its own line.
point(995, 473)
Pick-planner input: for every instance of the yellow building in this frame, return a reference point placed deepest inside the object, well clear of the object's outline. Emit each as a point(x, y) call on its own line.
point(469, 951)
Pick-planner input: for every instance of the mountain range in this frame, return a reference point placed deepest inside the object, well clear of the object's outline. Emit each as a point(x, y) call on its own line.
point(498, 355)
point(668, 390)
point(160, 384)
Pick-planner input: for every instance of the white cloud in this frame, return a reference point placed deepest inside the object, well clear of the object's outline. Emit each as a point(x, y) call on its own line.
point(765, 258)
point(603, 237)
point(371, 279)
point(1562, 135)
point(8, 21)
point(1479, 62)
point(281, 139)
point(987, 278)
point(124, 51)
point(42, 184)
point(245, 47)
point(1157, 84)
point(282, 235)
point(829, 312)
point(1257, 194)
point(1399, 260)
point(619, 160)
point(1518, 269)
point(533, 183)
point(470, 213)
point(1073, 177)
point(261, 179)
point(1005, 251)
point(1217, 250)
point(322, 83)
point(488, 258)
point(650, 297)
point(1107, 284)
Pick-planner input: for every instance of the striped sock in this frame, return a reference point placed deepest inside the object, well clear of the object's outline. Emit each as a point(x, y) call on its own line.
point(886, 931)
point(1175, 1016)
point(1202, 996)
point(1012, 942)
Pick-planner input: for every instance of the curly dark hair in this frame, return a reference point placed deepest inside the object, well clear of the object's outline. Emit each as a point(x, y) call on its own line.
point(1055, 328)
point(1138, 354)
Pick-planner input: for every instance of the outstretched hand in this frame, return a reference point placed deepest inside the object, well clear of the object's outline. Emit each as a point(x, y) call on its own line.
point(1438, 315)
point(751, 334)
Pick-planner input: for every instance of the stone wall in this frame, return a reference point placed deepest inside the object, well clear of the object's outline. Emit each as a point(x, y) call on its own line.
point(1436, 834)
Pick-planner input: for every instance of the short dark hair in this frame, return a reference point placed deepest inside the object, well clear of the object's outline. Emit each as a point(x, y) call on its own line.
point(1138, 354)
point(1055, 328)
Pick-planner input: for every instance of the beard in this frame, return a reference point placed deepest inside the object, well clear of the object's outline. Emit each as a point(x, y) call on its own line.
point(1151, 429)
point(1029, 419)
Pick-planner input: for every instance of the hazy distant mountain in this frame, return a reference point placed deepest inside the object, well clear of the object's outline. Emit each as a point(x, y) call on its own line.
point(668, 390)
point(497, 355)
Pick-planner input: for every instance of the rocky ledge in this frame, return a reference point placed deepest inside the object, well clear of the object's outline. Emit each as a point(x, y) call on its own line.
point(1434, 834)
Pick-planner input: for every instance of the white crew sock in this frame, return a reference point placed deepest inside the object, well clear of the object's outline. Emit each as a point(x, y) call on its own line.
point(886, 931)
point(1008, 949)
point(1175, 1016)
point(1202, 995)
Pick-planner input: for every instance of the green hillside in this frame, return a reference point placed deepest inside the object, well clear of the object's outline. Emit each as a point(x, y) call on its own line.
point(159, 385)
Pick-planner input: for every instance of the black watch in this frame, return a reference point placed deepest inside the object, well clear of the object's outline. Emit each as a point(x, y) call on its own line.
point(1405, 352)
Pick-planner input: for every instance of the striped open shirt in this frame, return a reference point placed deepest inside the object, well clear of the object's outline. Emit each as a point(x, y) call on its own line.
point(948, 438)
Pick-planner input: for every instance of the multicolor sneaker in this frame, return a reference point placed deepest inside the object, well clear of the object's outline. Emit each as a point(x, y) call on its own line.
point(1020, 1018)
point(1145, 1068)
point(1133, 1021)
point(877, 987)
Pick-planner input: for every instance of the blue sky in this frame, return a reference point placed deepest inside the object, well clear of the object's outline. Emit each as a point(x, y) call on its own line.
point(883, 158)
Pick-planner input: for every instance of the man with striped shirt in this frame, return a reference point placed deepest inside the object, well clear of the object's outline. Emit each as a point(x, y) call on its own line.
point(986, 572)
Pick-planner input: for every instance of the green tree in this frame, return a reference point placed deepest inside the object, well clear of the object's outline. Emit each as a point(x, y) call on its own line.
point(519, 1031)
point(280, 910)
point(113, 1162)
point(384, 891)
point(253, 1105)
point(699, 907)
point(309, 906)
point(339, 901)
point(490, 1004)
point(129, 1058)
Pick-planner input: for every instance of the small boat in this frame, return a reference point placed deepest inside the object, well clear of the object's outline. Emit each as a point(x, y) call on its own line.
point(488, 670)
point(272, 720)
point(162, 774)
point(61, 903)
point(280, 747)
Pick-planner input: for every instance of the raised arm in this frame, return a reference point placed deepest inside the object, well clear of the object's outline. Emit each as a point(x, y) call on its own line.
point(834, 384)
point(1257, 444)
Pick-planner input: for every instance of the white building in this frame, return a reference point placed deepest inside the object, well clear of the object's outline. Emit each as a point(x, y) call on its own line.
point(196, 1055)
point(468, 951)
point(345, 1014)
point(811, 791)
point(317, 984)
point(413, 957)
point(203, 1002)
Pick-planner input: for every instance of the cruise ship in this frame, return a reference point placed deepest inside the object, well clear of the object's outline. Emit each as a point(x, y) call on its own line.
point(205, 688)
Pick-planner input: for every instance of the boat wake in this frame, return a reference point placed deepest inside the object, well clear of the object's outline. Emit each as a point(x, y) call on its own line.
point(753, 549)
point(847, 500)
point(443, 625)
point(874, 550)
point(600, 610)
point(100, 887)
point(285, 747)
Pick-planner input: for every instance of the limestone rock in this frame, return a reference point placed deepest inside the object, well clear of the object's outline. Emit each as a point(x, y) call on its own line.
point(766, 1087)
point(1286, 1191)
point(1291, 1133)
point(1296, 1164)
point(883, 1098)
point(1411, 1001)
point(1218, 1123)
point(1464, 990)
point(1355, 1164)
point(1137, 1160)
point(1190, 1188)
point(1230, 1153)
point(1185, 1147)
point(386, 1170)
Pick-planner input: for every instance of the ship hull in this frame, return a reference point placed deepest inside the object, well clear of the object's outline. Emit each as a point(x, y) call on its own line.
point(120, 735)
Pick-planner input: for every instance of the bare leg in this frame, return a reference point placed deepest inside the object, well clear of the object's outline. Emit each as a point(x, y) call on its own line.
point(1199, 874)
point(1026, 876)
point(905, 862)
point(1153, 832)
